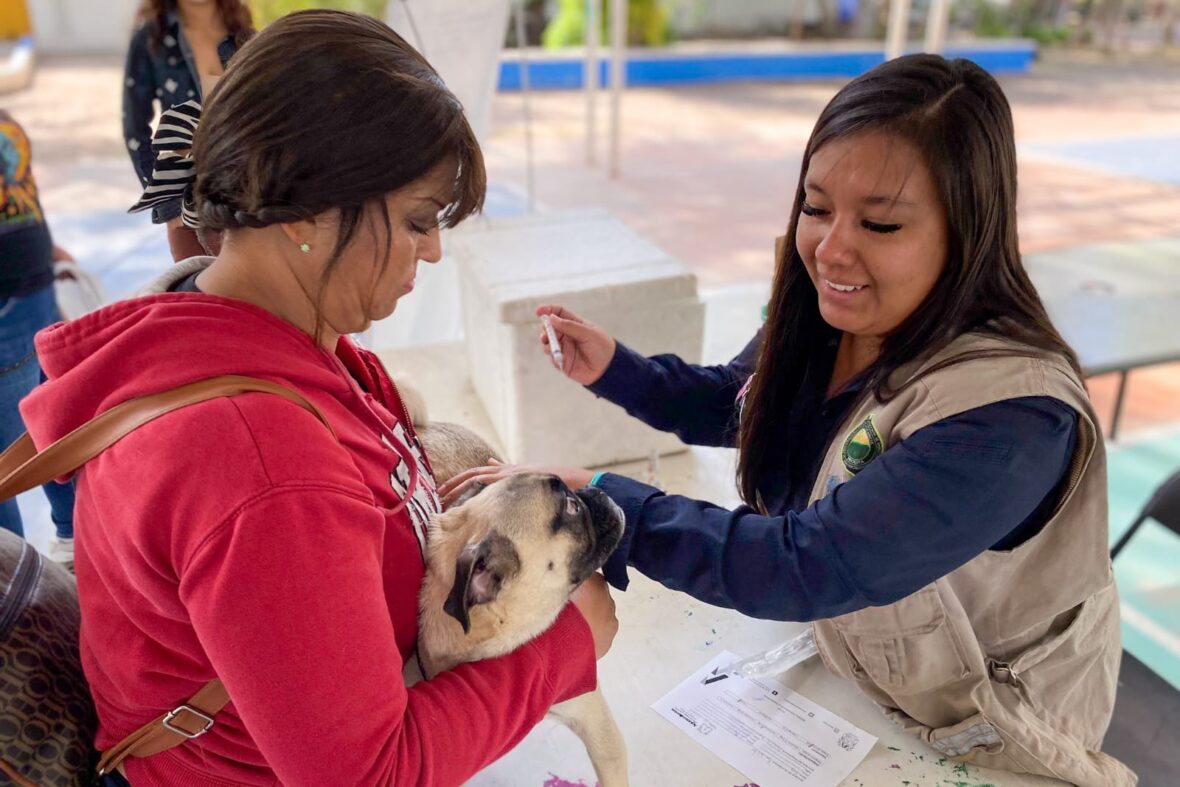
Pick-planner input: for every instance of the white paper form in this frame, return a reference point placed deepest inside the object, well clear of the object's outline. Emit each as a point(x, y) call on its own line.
point(764, 729)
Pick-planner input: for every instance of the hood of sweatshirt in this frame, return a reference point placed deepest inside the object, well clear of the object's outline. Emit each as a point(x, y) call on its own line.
point(160, 341)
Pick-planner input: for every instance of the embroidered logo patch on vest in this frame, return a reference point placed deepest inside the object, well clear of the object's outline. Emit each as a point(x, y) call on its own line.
point(862, 446)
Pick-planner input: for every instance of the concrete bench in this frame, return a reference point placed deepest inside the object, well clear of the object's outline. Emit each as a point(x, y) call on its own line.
point(595, 265)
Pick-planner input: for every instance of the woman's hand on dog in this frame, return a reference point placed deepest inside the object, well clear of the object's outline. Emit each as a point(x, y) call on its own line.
point(585, 348)
point(594, 601)
point(452, 490)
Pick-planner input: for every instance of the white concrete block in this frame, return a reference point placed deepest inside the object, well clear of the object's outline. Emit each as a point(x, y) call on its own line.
point(595, 265)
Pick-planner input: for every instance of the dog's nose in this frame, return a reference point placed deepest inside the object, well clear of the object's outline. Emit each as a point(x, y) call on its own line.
point(589, 492)
point(593, 497)
point(605, 512)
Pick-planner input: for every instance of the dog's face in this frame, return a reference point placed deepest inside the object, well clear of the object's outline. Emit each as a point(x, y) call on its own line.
point(530, 541)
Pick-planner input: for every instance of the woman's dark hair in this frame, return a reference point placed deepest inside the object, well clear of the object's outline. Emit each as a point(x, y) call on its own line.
point(328, 111)
point(235, 15)
point(954, 113)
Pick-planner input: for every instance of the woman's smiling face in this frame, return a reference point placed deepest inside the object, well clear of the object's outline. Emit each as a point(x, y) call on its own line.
point(872, 232)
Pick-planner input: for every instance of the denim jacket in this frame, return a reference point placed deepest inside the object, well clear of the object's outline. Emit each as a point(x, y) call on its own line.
point(168, 76)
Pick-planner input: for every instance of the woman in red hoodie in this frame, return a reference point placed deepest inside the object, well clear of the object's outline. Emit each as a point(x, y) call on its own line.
point(238, 538)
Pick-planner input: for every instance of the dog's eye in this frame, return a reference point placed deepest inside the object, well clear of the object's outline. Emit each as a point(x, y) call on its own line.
point(572, 506)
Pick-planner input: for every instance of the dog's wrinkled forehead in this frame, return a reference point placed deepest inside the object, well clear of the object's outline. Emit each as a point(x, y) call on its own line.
point(532, 498)
point(567, 533)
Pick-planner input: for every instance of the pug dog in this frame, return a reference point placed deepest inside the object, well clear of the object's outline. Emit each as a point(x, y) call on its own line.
point(501, 563)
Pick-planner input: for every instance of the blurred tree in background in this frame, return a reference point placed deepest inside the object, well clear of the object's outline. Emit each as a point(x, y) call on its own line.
point(266, 11)
point(647, 24)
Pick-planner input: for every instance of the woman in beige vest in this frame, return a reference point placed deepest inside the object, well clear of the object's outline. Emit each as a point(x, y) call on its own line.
point(923, 472)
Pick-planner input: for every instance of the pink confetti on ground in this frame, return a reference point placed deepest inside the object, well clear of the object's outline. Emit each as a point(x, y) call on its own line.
point(556, 781)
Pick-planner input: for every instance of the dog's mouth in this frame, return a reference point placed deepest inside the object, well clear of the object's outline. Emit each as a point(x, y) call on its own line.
point(606, 529)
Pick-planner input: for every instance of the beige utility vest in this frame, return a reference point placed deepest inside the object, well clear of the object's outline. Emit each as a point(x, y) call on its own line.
point(1010, 661)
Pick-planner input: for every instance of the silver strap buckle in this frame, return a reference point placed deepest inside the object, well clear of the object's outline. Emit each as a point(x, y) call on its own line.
point(172, 714)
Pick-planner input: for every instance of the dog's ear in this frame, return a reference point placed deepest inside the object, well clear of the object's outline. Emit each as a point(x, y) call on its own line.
point(480, 572)
point(473, 489)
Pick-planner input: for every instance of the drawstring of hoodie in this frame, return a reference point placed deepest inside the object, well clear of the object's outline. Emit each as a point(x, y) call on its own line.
point(405, 453)
point(408, 457)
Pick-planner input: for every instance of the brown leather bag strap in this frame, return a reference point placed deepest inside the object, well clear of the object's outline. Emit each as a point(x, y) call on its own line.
point(183, 723)
point(23, 468)
point(15, 776)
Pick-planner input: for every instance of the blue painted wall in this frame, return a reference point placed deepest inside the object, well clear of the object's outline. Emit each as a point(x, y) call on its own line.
point(654, 69)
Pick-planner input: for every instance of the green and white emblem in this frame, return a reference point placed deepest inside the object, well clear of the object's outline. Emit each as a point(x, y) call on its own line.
point(862, 446)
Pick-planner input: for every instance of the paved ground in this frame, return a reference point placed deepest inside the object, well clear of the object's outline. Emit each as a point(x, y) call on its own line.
point(709, 172)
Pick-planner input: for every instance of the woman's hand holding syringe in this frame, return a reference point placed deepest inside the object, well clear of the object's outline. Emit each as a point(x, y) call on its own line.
point(581, 350)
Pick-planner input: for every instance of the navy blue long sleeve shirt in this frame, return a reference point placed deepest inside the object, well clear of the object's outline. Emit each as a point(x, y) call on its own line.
point(983, 479)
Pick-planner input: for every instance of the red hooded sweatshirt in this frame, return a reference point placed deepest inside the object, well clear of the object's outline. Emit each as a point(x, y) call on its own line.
point(238, 538)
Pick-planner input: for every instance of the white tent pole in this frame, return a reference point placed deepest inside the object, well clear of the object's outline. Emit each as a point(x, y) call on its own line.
point(526, 96)
point(418, 42)
point(590, 77)
point(898, 26)
point(936, 24)
point(617, 79)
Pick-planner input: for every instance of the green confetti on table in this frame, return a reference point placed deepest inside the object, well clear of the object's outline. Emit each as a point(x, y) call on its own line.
point(894, 748)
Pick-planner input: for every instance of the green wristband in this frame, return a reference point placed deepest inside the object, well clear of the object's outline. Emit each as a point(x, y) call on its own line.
point(597, 476)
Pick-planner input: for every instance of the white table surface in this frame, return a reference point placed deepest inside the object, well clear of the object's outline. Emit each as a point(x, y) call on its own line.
point(664, 637)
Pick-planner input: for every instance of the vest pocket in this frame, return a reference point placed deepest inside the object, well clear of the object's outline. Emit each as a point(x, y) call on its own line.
point(1069, 676)
point(909, 647)
point(1076, 632)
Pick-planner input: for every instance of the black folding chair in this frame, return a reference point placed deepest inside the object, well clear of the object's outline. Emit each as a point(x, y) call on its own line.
point(1147, 709)
point(1163, 507)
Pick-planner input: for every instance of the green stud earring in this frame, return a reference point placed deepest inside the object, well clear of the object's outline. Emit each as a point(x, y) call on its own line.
point(305, 247)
